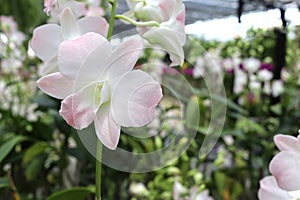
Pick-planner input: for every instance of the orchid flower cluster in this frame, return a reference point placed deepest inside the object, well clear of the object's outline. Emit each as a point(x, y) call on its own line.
point(285, 180)
point(250, 74)
point(16, 88)
point(97, 81)
point(11, 49)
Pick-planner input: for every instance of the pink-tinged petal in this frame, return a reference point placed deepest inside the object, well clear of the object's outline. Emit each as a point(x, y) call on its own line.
point(95, 11)
point(167, 8)
point(73, 53)
point(107, 130)
point(69, 25)
point(285, 167)
point(79, 109)
point(97, 61)
point(78, 8)
point(93, 24)
point(269, 190)
point(56, 85)
point(287, 143)
point(134, 98)
point(125, 57)
point(45, 41)
point(169, 40)
point(142, 30)
point(48, 5)
point(180, 18)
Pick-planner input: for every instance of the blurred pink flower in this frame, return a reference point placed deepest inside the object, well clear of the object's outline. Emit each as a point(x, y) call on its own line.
point(47, 38)
point(94, 8)
point(8, 24)
point(48, 4)
point(98, 85)
point(285, 166)
point(55, 8)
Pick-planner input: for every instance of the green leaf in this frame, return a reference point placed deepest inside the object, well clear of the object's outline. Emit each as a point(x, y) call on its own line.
point(34, 168)
point(4, 182)
point(35, 150)
point(6, 148)
point(78, 193)
point(220, 179)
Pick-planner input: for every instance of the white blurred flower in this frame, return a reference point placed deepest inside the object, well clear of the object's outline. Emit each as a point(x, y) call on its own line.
point(228, 139)
point(254, 83)
point(265, 75)
point(251, 65)
point(285, 75)
point(181, 193)
point(267, 88)
point(236, 60)
point(199, 70)
point(209, 62)
point(138, 189)
point(277, 88)
point(228, 64)
point(10, 65)
point(204, 195)
point(240, 80)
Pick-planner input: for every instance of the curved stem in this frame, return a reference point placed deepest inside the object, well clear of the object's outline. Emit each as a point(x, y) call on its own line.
point(136, 23)
point(98, 170)
point(13, 186)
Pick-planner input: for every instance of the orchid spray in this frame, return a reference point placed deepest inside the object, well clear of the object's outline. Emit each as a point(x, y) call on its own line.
point(96, 81)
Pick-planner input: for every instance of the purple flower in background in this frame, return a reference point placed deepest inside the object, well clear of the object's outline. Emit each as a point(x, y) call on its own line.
point(168, 70)
point(251, 98)
point(188, 71)
point(241, 66)
point(266, 66)
point(228, 65)
point(229, 71)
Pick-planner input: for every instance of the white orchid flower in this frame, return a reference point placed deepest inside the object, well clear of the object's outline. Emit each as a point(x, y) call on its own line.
point(285, 166)
point(47, 38)
point(269, 190)
point(98, 85)
point(170, 34)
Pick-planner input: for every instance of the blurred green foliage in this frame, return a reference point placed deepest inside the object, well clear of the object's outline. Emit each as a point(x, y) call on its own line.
point(27, 13)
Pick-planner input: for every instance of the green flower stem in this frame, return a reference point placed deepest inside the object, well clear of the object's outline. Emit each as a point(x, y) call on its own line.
point(98, 170)
point(99, 144)
point(136, 23)
point(112, 18)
